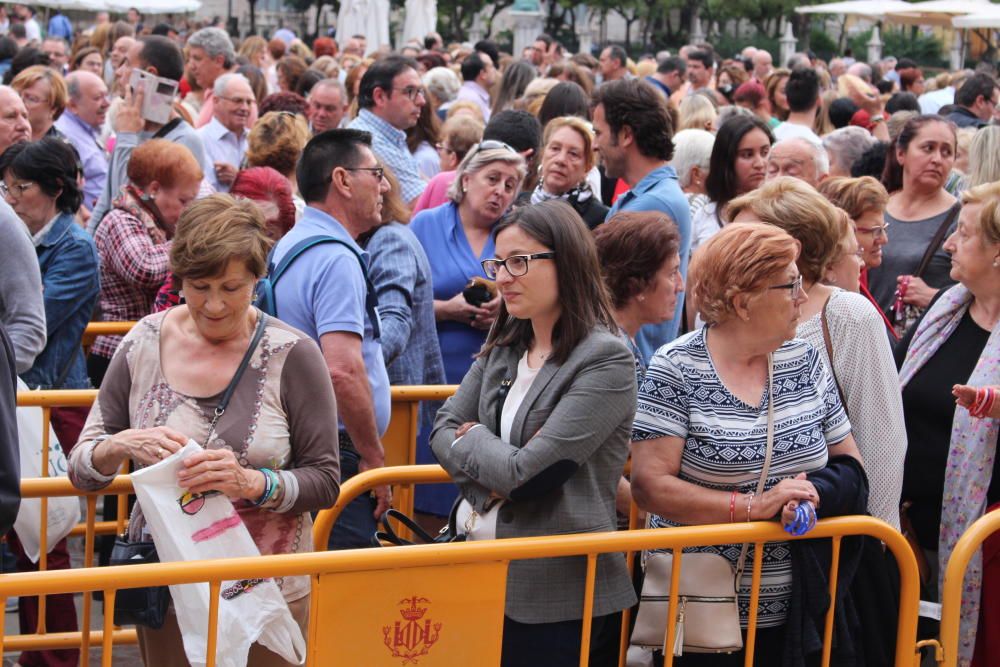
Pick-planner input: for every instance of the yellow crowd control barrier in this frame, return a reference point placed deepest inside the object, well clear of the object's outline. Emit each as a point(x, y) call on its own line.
point(951, 599)
point(417, 599)
point(95, 329)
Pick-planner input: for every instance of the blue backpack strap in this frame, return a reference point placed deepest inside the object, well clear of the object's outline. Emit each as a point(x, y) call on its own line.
point(274, 273)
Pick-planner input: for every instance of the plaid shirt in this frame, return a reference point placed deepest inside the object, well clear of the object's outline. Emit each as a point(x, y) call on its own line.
point(134, 254)
point(389, 146)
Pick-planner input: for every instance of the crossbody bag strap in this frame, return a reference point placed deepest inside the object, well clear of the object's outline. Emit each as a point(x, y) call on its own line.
point(828, 342)
point(227, 395)
point(768, 449)
point(937, 240)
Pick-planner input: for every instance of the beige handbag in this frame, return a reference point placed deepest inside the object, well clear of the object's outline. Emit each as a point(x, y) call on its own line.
point(708, 616)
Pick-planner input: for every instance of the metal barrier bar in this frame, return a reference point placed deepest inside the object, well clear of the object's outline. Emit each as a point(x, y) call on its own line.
point(95, 329)
point(378, 562)
point(954, 575)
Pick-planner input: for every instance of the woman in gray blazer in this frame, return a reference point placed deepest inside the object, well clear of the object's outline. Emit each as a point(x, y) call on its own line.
point(537, 434)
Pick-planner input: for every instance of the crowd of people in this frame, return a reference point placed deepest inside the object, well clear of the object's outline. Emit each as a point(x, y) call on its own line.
point(775, 288)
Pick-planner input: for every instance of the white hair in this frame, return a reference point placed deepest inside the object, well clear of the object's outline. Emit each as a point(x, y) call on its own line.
point(330, 83)
point(214, 42)
point(692, 148)
point(820, 158)
point(442, 83)
point(219, 88)
point(845, 145)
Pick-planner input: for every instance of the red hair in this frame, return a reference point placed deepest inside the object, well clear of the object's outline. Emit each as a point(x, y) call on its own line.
point(324, 46)
point(265, 184)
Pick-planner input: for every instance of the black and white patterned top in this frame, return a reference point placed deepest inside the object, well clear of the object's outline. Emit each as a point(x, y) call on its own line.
point(725, 439)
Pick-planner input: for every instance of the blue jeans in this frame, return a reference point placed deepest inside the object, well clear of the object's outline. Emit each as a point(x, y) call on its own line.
point(356, 525)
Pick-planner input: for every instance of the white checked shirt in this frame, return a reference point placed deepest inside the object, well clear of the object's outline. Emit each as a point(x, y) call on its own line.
point(221, 145)
point(389, 145)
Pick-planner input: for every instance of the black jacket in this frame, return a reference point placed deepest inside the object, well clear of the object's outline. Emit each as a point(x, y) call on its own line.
point(592, 210)
point(843, 489)
point(10, 457)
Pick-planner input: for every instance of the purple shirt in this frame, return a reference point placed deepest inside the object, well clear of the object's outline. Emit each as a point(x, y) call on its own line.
point(92, 156)
point(473, 92)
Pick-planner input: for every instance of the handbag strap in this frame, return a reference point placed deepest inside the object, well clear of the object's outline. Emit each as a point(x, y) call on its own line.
point(828, 342)
point(227, 395)
point(768, 449)
point(937, 240)
point(390, 534)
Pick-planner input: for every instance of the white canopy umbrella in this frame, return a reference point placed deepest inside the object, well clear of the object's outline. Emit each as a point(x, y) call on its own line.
point(81, 5)
point(421, 19)
point(938, 12)
point(874, 9)
point(364, 17)
point(152, 6)
point(986, 18)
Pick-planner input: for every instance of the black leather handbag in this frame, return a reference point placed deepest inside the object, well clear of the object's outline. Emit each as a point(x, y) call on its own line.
point(146, 606)
point(388, 536)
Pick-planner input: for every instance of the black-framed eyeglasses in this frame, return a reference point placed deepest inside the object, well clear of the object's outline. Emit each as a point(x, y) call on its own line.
point(793, 287)
point(15, 191)
point(516, 265)
point(378, 172)
point(412, 92)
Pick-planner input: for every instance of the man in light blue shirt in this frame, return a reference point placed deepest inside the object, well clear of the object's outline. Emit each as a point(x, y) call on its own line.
point(324, 294)
point(637, 151)
point(81, 124)
point(390, 97)
point(225, 136)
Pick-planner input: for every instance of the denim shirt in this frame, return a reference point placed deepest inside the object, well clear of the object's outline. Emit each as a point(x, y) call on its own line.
point(70, 283)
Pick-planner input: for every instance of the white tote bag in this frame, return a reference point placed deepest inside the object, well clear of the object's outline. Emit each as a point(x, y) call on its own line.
point(64, 512)
point(185, 528)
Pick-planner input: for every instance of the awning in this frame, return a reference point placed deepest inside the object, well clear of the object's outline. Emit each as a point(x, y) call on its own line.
point(938, 12)
point(874, 9)
point(988, 17)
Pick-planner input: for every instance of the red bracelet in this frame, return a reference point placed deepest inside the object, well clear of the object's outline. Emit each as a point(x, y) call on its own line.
point(732, 507)
point(982, 405)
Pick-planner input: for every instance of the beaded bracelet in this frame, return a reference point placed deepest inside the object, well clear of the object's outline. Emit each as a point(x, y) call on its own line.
point(732, 507)
point(750, 504)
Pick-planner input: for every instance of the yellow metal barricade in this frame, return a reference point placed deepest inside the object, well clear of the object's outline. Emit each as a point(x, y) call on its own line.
point(951, 597)
point(95, 329)
point(444, 604)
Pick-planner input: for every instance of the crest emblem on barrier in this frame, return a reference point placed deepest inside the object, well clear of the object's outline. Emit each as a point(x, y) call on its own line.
point(412, 637)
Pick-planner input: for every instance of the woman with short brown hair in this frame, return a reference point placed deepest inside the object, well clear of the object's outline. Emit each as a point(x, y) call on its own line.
point(269, 451)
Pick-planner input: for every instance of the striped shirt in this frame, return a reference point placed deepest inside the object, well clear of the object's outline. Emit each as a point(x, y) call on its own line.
point(725, 439)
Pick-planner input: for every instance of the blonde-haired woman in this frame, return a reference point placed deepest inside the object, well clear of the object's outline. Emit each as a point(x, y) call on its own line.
point(984, 157)
point(950, 476)
point(844, 327)
point(276, 141)
point(44, 93)
point(699, 441)
point(567, 158)
point(697, 112)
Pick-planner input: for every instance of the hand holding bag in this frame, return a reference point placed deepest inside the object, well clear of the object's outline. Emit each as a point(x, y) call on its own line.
point(708, 616)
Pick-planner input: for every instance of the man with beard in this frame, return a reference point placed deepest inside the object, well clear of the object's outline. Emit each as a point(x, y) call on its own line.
point(633, 136)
